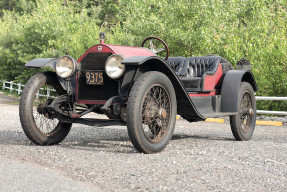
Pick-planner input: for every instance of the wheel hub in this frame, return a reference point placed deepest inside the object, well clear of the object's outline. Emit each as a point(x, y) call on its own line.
point(162, 113)
point(251, 111)
point(42, 109)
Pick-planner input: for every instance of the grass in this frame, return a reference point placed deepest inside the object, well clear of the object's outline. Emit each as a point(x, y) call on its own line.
point(13, 95)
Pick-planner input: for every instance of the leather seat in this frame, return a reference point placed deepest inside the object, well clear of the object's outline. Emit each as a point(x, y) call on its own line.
point(194, 66)
point(197, 66)
point(176, 63)
point(192, 69)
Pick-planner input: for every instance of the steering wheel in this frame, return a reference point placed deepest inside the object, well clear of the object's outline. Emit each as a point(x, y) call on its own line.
point(152, 47)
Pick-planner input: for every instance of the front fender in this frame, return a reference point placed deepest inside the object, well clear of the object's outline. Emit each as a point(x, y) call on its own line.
point(42, 62)
point(47, 62)
point(51, 62)
point(136, 66)
point(231, 86)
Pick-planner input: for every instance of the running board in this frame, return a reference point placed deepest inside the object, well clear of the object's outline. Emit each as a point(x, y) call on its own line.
point(221, 114)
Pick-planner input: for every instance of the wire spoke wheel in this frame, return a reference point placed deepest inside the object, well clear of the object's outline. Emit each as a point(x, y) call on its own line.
point(151, 112)
point(243, 124)
point(246, 112)
point(155, 113)
point(44, 120)
point(39, 124)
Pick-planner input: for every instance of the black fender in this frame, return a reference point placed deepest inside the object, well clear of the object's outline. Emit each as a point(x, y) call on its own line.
point(42, 62)
point(231, 86)
point(51, 63)
point(136, 66)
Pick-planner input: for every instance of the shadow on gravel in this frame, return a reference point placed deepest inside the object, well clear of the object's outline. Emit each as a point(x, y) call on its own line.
point(13, 138)
point(101, 139)
point(115, 145)
point(102, 146)
point(179, 137)
point(107, 139)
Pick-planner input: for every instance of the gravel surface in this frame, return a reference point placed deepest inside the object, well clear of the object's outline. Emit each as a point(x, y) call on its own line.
point(24, 176)
point(201, 157)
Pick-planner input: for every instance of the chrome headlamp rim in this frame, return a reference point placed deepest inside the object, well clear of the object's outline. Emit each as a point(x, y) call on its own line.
point(122, 70)
point(73, 67)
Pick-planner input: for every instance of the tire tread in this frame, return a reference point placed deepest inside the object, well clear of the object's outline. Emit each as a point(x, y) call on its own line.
point(236, 130)
point(132, 107)
point(24, 111)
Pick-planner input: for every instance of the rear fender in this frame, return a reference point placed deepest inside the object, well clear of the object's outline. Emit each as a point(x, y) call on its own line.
point(231, 86)
point(136, 66)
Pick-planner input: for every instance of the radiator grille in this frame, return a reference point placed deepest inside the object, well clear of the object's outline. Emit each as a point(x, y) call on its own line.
point(95, 62)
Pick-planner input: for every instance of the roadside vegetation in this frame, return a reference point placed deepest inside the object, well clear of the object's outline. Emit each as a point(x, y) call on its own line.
point(254, 29)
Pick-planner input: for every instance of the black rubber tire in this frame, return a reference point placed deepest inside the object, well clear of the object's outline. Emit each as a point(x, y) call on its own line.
point(235, 121)
point(26, 111)
point(134, 111)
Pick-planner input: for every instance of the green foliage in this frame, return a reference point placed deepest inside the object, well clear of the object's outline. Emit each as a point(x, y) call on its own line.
point(51, 30)
point(109, 13)
point(255, 29)
point(19, 6)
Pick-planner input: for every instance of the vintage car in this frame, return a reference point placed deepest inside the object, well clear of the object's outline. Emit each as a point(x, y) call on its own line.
point(138, 87)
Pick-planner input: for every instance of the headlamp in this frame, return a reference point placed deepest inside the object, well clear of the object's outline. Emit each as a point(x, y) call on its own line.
point(65, 67)
point(114, 67)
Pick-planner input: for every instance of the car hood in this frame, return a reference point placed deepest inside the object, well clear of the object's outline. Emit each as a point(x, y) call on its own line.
point(124, 51)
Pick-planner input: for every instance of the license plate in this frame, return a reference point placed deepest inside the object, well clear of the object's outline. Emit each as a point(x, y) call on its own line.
point(94, 78)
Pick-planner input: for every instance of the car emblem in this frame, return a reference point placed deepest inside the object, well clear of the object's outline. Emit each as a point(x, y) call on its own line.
point(100, 48)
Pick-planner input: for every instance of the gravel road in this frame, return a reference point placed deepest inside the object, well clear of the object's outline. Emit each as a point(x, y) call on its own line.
point(201, 157)
point(4, 99)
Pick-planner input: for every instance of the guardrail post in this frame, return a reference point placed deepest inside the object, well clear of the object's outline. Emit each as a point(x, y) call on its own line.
point(19, 88)
point(3, 85)
point(48, 92)
point(11, 86)
point(37, 95)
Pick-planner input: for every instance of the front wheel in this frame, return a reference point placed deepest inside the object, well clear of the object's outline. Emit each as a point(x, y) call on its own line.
point(151, 112)
point(243, 124)
point(40, 125)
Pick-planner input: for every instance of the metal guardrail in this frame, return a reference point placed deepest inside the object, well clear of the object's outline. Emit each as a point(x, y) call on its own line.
point(263, 98)
point(19, 90)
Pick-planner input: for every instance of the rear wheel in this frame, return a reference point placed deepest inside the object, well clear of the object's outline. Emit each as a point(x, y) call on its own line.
point(151, 112)
point(243, 124)
point(40, 125)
